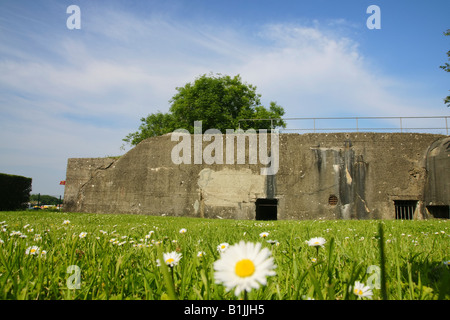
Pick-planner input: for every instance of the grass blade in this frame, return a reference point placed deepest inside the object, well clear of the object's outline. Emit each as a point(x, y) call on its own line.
point(384, 295)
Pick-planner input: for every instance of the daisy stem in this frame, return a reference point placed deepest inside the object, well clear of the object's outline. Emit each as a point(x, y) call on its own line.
point(171, 273)
point(165, 271)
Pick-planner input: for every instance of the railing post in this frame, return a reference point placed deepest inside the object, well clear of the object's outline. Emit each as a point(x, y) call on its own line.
point(446, 125)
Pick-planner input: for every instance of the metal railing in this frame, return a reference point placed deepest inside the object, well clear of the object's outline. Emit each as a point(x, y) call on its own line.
point(432, 124)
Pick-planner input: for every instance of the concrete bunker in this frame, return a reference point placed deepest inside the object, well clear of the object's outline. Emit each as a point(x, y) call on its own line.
point(321, 175)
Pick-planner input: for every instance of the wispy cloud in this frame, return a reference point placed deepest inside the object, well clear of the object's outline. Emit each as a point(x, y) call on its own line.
point(313, 73)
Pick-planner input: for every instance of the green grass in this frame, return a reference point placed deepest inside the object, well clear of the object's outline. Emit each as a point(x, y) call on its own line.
point(410, 265)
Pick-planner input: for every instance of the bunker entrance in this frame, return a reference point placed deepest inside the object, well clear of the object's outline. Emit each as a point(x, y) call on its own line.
point(440, 212)
point(266, 209)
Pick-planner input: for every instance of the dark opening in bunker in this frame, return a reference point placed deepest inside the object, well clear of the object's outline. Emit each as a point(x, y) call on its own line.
point(405, 209)
point(439, 212)
point(266, 209)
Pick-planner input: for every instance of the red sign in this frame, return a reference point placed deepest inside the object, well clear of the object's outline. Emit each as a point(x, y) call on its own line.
point(62, 182)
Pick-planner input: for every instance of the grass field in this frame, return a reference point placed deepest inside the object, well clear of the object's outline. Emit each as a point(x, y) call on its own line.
point(55, 256)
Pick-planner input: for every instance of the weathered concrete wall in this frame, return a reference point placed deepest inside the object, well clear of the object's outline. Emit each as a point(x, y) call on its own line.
point(79, 173)
point(437, 189)
point(146, 181)
point(365, 171)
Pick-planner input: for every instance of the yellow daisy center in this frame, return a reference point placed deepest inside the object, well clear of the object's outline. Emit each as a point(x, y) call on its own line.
point(32, 250)
point(358, 292)
point(244, 268)
point(170, 260)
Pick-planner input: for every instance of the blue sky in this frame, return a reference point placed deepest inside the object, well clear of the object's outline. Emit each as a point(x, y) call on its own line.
point(77, 93)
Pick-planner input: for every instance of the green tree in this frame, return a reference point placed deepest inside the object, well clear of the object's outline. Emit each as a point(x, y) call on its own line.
point(44, 199)
point(446, 67)
point(216, 100)
point(155, 124)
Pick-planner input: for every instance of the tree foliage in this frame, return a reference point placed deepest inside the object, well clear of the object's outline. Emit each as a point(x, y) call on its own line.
point(446, 67)
point(44, 199)
point(220, 102)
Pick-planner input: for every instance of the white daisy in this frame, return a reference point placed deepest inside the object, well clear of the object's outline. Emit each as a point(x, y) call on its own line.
point(222, 247)
point(200, 254)
point(170, 258)
point(83, 235)
point(183, 230)
point(244, 266)
point(66, 222)
point(362, 291)
point(315, 242)
point(34, 250)
point(264, 234)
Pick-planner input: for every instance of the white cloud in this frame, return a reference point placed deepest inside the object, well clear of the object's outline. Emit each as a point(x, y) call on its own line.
point(313, 74)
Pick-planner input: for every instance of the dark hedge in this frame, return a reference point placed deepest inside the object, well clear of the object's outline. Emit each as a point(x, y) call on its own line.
point(14, 192)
